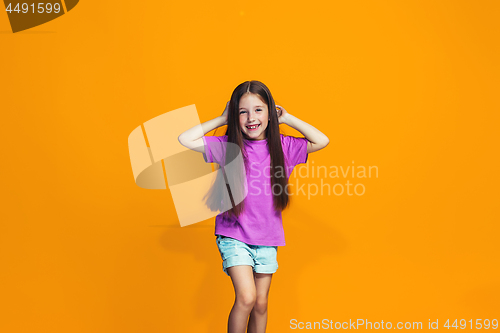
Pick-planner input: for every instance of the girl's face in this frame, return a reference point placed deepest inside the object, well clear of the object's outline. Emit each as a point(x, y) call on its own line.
point(254, 117)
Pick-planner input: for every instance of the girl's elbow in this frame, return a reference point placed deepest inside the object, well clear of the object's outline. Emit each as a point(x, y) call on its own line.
point(181, 140)
point(326, 142)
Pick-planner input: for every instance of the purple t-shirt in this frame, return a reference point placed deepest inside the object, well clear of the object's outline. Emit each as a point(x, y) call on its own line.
point(259, 223)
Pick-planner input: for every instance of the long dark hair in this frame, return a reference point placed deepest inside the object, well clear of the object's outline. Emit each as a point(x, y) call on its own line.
point(234, 135)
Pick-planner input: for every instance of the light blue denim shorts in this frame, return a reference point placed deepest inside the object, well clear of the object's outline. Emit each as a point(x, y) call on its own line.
point(263, 259)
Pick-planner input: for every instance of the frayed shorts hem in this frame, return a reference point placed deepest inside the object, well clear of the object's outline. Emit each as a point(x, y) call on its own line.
point(262, 269)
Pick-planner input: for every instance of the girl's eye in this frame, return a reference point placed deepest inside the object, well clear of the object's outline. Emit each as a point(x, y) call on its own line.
point(245, 111)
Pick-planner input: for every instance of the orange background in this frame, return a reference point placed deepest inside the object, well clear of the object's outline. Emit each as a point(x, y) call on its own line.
point(410, 87)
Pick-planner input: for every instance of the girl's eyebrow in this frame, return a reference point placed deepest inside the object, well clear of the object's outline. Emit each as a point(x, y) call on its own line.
point(257, 106)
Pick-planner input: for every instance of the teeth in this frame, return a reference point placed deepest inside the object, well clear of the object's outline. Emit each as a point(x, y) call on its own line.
point(253, 126)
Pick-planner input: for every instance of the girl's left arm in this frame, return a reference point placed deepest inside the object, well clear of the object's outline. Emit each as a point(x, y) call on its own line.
point(317, 140)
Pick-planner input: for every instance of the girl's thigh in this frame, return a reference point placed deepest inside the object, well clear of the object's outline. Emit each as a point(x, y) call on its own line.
point(243, 280)
point(262, 284)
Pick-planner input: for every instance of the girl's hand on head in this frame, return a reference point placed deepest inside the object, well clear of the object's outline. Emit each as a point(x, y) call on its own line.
point(225, 113)
point(282, 114)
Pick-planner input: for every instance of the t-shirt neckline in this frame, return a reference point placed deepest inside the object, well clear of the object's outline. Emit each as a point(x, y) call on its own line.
point(255, 142)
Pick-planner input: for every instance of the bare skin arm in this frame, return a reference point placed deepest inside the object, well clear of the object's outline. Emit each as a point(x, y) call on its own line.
point(193, 137)
point(317, 140)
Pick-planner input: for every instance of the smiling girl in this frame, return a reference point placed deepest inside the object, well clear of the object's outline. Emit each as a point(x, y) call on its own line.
point(248, 235)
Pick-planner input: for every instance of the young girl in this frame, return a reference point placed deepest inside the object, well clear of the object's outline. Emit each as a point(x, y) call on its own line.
point(248, 235)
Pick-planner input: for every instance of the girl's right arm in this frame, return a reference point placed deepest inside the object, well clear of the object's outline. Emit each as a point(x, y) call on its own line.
point(193, 137)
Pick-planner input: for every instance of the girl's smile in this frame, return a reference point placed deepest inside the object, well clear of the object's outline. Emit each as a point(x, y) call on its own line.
point(253, 127)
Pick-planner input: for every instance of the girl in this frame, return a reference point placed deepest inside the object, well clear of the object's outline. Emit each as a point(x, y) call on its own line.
point(248, 235)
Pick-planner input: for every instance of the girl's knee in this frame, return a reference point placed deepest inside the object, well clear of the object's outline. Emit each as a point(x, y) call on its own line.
point(260, 305)
point(246, 299)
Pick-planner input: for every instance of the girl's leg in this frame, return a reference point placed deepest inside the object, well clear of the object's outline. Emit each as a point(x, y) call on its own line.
point(245, 292)
point(258, 317)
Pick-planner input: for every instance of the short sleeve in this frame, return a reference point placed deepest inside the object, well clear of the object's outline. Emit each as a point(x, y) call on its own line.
point(295, 150)
point(214, 148)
